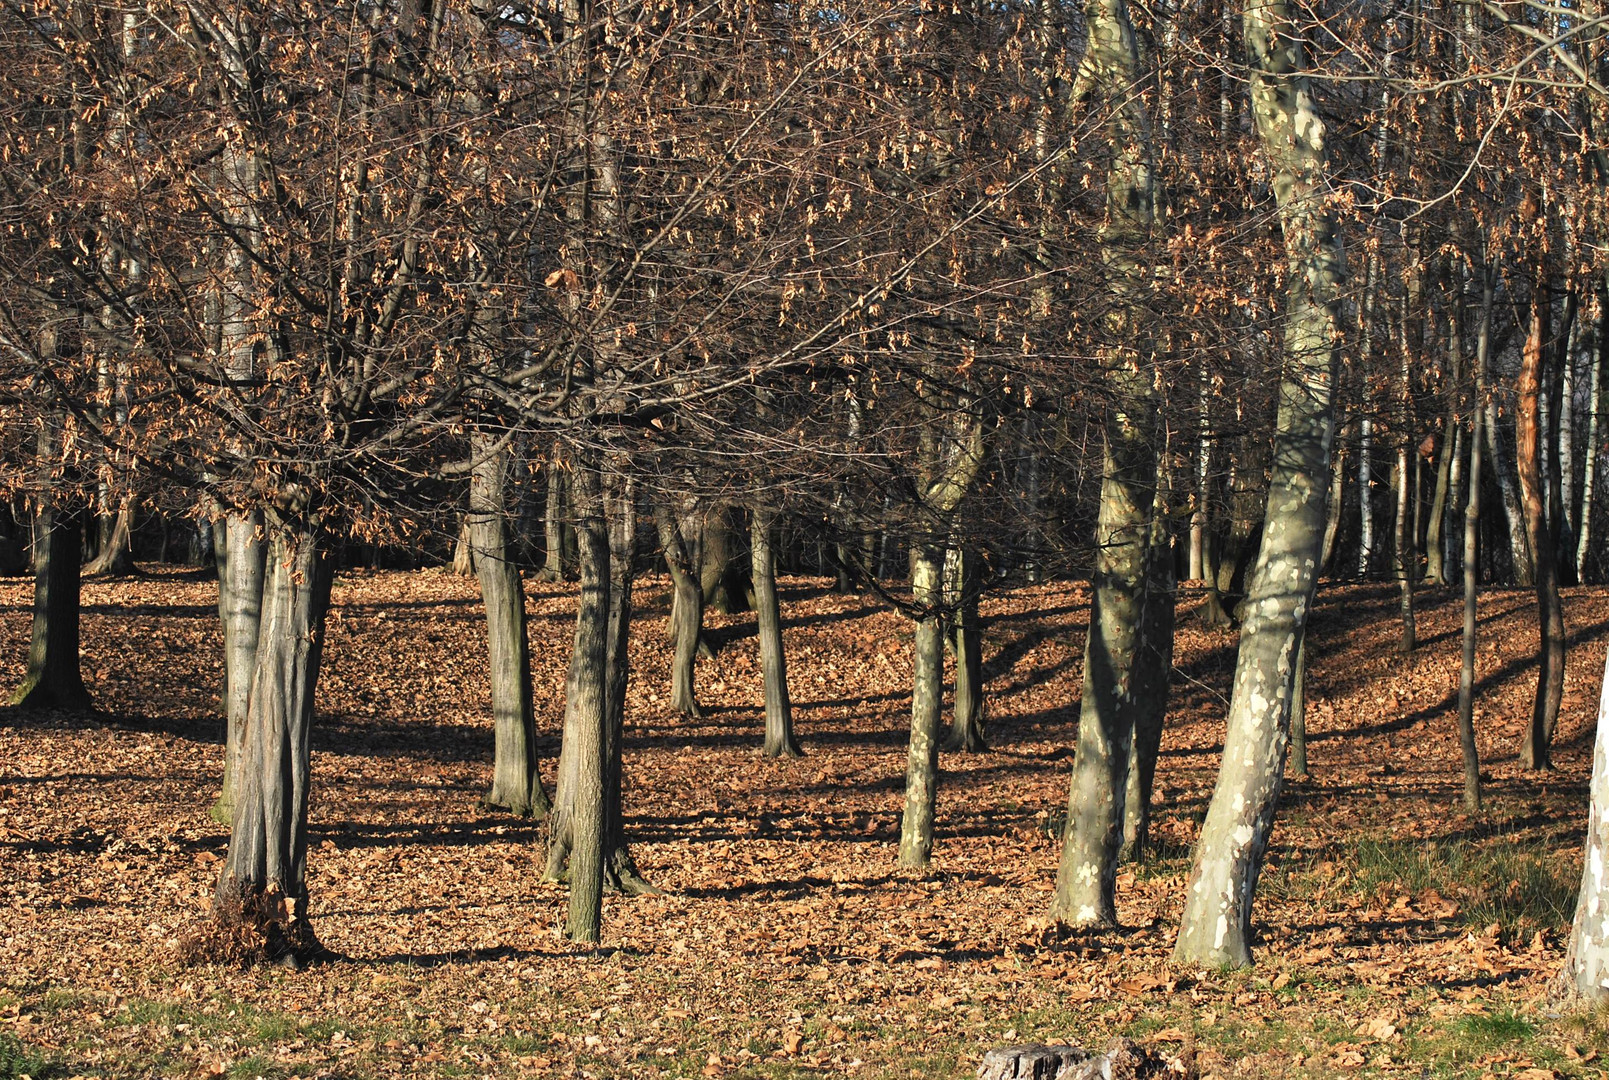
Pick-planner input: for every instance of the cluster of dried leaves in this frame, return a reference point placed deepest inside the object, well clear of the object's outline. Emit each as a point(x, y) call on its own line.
point(1398, 934)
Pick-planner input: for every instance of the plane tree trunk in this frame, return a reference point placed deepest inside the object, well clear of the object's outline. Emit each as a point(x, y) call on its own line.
point(1215, 930)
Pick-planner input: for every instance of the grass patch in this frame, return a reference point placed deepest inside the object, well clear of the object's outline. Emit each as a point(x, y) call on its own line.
point(1519, 886)
point(18, 1060)
point(1488, 1031)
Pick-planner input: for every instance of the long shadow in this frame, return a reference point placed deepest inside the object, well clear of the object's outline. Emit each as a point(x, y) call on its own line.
point(1572, 640)
point(473, 956)
point(363, 835)
point(785, 889)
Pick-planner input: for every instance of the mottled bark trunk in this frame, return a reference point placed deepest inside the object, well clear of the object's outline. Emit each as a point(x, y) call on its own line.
point(1215, 930)
point(927, 693)
point(516, 785)
point(1586, 963)
point(1365, 492)
point(779, 740)
point(264, 878)
point(1108, 709)
point(54, 679)
point(1472, 514)
point(241, 576)
point(1534, 749)
point(1403, 552)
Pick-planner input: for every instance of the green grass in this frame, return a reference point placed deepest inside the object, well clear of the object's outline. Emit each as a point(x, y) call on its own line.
point(1519, 886)
point(18, 1060)
point(1488, 1031)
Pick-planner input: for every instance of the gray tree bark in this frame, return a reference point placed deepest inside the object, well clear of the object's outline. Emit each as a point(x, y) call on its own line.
point(966, 719)
point(264, 879)
point(1513, 514)
point(1108, 709)
point(516, 785)
point(1216, 927)
point(678, 535)
point(54, 679)
point(779, 739)
point(1591, 453)
point(241, 576)
point(1472, 513)
point(927, 692)
point(553, 522)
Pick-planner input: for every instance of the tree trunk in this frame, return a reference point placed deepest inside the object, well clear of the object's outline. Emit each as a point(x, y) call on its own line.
point(1297, 766)
point(1513, 514)
point(687, 609)
point(242, 572)
point(1586, 963)
point(516, 784)
point(1365, 499)
point(1332, 522)
point(264, 880)
point(1153, 671)
point(966, 721)
point(1560, 535)
point(927, 693)
point(113, 555)
point(553, 522)
point(463, 564)
point(1216, 927)
point(1472, 513)
point(1198, 515)
point(54, 680)
point(725, 585)
point(779, 740)
point(1591, 453)
point(1108, 709)
point(579, 819)
point(1403, 550)
point(1550, 612)
point(1435, 548)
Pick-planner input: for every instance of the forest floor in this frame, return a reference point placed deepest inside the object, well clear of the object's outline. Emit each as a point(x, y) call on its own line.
point(1399, 935)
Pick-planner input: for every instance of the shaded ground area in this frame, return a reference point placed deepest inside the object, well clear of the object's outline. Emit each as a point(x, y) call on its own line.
point(1399, 934)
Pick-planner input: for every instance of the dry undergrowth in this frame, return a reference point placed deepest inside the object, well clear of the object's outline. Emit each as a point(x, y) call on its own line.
point(1399, 935)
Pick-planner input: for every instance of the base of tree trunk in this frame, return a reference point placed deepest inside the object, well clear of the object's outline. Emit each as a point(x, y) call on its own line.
point(1123, 1060)
point(247, 931)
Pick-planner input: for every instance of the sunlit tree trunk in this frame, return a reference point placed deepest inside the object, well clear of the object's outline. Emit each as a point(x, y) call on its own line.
point(1586, 962)
point(553, 521)
point(1215, 930)
point(1589, 471)
point(264, 880)
point(1513, 512)
point(927, 694)
point(241, 576)
point(586, 717)
point(678, 535)
point(516, 786)
point(779, 740)
point(1109, 705)
point(1534, 749)
point(1472, 512)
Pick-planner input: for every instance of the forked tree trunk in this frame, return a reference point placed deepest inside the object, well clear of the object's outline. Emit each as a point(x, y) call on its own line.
point(1472, 515)
point(779, 740)
point(264, 878)
point(1586, 962)
point(1513, 513)
point(686, 610)
point(1215, 930)
point(114, 556)
point(966, 720)
point(927, 693)
point(241, 574)
point(516, 785)
point(1534, 750)
point(54, 679)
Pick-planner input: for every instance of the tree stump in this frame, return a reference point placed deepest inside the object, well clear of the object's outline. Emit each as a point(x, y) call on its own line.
point(1123, 1060)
